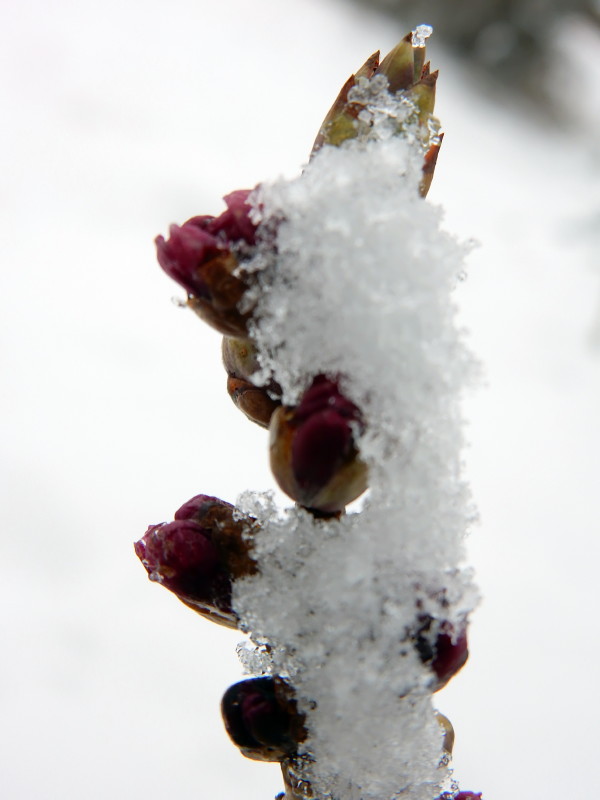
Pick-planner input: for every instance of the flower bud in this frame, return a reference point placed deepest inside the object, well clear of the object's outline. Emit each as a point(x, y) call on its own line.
point(442, 648)
point(198, 555)
point(261, 718)
point(313, 452)
point(203, 256)
point(407, 75)
point(241, 362)
point(468, 796)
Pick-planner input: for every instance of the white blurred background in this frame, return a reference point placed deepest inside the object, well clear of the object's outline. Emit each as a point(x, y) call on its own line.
point(121, 117)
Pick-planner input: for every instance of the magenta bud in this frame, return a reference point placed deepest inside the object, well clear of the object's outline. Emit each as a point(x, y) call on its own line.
point(199, 554)
point(442, 648)
point(468, 796)
point(314, 456)
point(261, 718)
point(185, 251)
point(180, 556)
point(203, 256)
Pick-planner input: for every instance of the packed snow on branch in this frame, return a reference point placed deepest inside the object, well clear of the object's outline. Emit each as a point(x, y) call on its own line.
point(361, 289)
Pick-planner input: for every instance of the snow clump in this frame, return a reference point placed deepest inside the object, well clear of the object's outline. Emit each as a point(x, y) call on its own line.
point(361, 288)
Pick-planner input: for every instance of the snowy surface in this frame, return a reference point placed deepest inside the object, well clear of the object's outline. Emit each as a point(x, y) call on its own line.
point(121, 119)
point(363, 287)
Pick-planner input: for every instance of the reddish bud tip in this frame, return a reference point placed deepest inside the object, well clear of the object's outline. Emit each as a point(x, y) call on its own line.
point(235, 225)
point(181, 557)
point(200, 505)
point(183, 253)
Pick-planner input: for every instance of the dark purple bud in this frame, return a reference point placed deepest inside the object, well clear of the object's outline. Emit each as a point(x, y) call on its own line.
point(468, 796)
point(262, 719)
point(443, 648)
point(179, 555)
point(198, 555)
point(313, 451)
point(201, 506)
point(185, 251)
point(451, 654)
point(202, 256)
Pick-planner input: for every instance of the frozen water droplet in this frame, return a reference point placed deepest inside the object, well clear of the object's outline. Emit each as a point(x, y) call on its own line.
point(420, 34)
point(179, 302)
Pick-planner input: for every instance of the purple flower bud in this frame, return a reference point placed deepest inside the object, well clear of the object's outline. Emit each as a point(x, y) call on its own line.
point(442, 648)
point(261, 718)
point(198, 555)
point(313, 452)
point(468, 796)
point(202, 256)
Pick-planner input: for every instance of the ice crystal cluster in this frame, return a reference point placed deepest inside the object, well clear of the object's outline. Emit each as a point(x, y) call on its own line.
point(363, 289)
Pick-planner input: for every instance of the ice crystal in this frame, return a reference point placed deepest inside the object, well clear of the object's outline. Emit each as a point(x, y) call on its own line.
point(420, 35)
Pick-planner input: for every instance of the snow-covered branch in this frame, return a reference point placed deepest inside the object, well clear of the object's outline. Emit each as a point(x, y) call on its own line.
point(334, 292)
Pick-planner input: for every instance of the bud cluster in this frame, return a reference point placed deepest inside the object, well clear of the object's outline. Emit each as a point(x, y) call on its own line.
point(314, 445)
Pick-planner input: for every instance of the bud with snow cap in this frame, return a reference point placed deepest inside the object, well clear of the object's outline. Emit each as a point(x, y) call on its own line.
point(199, 554)
point(204, 257)
point(314, 456)
point(408, 78)
point(257, 402)
point(262, 719)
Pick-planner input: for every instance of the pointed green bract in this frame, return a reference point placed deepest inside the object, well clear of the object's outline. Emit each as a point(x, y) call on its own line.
point(338, 125)
point(408, 76)
point(398, 66)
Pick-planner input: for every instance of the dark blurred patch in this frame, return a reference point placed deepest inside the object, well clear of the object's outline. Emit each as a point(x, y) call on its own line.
point(510, 41)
